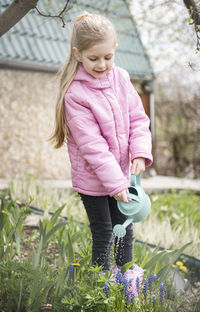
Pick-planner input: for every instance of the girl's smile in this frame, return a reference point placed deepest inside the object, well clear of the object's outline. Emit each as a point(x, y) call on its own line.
point(98, 59)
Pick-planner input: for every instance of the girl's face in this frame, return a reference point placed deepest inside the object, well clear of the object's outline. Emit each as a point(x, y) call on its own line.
point(98, 59)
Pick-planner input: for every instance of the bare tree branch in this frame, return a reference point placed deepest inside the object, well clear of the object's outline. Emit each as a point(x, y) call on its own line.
point(16, 11)
point(194, 12)
point(60, 15)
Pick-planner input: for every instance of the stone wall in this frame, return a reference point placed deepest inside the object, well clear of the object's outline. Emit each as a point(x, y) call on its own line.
point(27, 104)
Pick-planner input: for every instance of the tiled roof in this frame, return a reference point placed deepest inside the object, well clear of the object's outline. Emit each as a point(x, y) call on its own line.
point(40, 42)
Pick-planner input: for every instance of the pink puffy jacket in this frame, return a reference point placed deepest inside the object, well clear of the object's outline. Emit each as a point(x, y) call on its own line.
point(108, 128)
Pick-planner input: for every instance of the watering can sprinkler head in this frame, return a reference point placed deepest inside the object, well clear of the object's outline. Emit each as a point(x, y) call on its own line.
point(119, 230)
point(136, 210)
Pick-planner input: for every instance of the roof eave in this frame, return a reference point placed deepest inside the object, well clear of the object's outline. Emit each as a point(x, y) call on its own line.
point(24, 65)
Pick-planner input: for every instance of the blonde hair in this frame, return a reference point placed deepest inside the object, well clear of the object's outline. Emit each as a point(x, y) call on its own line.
point(88, 29)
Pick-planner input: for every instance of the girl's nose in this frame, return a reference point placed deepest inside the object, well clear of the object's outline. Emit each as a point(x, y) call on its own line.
point(101, 64)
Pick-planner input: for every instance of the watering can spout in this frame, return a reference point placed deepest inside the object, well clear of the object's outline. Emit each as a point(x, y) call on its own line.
point(127, 222)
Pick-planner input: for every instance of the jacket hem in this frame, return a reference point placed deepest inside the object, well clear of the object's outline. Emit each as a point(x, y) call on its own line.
point(91, 193)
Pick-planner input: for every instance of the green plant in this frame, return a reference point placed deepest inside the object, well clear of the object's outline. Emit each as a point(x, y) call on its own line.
point(47, 228)
point(11, 226)
point(160, 262)
point(101, 292)
point(23, 288)
point(83, 287)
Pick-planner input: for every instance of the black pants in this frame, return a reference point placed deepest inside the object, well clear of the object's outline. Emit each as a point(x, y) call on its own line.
point(103, 215)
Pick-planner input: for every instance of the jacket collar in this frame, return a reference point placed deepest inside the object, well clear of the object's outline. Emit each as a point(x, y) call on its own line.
point(92, 82)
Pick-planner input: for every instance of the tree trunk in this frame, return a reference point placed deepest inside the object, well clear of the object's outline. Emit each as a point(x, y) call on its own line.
point(14, 13)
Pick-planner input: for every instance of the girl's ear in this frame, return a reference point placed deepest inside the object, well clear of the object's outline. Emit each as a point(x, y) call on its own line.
point(77, 54)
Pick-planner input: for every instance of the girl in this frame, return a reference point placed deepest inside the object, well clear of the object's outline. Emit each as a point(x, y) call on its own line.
point(102, 118)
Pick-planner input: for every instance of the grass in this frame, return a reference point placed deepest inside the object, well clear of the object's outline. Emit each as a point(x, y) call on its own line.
point(174, 221)
point(162, 233)
point(178, 205)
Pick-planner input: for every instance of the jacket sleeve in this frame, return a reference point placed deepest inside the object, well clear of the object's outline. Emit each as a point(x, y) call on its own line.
point(92, 145)
point(140, 143)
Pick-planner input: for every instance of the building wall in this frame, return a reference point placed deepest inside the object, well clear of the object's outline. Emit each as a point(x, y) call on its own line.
point(27, 101)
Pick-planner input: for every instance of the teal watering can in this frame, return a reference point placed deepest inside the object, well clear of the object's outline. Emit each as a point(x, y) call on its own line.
point(136, 210)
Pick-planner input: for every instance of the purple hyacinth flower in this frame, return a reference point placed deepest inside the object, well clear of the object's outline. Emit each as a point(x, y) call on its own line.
point(150, 282)
point(127, 295)
point(154, 277)
point(162, 292)
point(106, 288)
point(132, 299)
point(119, 277)
point(138, 284)
point(71, 271)
point(145, 287)
point(125, 284)
point(125, 281)
point(153, 299)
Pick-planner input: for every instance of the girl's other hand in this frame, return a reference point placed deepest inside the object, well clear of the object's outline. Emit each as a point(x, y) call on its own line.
point(122, 196)
point(138, 166)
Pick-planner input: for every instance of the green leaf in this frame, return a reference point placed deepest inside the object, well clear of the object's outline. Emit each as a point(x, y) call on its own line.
point(166, 259)
point(18, 241)
point(126, 266)
point(163, 272)
point(20, 297)
point(175, 254)
point(36, 258)
point(60, 280)
point(145, 260)
point(53, 230)
point(150, 265)
point(56, 215)
point(71, 257)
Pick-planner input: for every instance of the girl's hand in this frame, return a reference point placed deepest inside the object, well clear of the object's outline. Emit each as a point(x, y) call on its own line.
point(138, 166)
point(122, 196)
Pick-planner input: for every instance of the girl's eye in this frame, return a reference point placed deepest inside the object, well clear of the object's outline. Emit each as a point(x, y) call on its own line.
point(93, 60)
point(108, 58)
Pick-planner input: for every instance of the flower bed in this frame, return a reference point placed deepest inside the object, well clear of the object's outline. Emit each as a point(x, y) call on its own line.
point(49, 268)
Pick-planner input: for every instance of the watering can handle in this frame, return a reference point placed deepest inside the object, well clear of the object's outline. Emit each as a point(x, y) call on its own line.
point(132, 196)
point(137, 179)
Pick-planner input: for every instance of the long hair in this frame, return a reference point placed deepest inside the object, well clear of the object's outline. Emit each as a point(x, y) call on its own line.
point(88, 29)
